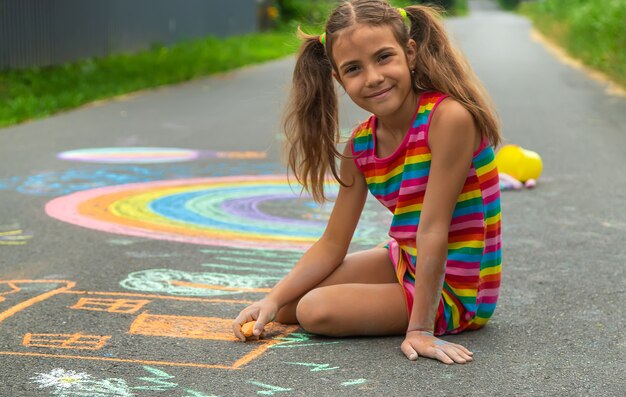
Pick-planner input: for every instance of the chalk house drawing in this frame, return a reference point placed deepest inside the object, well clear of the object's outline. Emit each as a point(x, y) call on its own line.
point(124, 327)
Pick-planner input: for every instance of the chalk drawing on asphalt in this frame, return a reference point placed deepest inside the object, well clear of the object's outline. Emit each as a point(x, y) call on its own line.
point(315, 367)
point(124, 327)
point(77, 341)
point(13, 235)
point(130, 155)
point(161, 381)
point(354, 382)
point(269, 390)
point(152, 155)
point(182, 283)
point(297, 339)
point(70, 383)
point(57, 183)
point(158, 381)
point(254, 211)
point(60, 377)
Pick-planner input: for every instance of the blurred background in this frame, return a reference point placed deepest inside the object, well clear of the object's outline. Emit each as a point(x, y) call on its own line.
point(60, 54)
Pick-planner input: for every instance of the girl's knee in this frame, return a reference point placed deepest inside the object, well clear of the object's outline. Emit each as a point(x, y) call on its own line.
point(314, 314)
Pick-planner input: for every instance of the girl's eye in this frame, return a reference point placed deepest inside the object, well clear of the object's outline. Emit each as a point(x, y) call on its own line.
point(350, 69)
point(384, 57)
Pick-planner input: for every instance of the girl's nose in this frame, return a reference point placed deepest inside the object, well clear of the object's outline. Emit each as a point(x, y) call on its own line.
point(374, 77)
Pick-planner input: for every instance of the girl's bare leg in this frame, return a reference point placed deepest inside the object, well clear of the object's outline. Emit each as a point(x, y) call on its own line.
point(364, 280)
point(354, 309)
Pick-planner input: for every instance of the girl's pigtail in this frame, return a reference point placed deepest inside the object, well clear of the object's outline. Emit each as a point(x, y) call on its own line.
point(311, 122)
point(441, 67)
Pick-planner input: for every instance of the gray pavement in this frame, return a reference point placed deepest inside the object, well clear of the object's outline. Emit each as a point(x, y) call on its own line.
point(111, 289)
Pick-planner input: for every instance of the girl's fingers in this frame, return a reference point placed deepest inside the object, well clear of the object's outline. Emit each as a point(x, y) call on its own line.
point(466, 351)
point(409, 351)
point(237, 331)
point(241, 319)
point(455, 355)
point(261, 322)
point(443, 357)
point(466, 356)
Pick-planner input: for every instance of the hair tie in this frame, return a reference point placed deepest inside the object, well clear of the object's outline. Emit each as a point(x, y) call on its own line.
point(322, 39)
point(402, 12)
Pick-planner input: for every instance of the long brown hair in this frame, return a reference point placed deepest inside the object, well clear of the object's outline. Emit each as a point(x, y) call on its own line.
point(311, 122)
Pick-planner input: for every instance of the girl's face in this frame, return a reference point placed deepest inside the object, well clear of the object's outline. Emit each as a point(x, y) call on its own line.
point(374, 68)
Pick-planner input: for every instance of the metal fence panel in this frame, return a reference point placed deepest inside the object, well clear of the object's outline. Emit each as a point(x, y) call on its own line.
point(52, 32)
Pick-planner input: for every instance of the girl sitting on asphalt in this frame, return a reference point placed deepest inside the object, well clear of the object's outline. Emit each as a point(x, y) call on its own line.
point(426, 153)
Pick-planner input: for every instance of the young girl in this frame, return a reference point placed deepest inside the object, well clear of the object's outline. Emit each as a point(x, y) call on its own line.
point(426, 154)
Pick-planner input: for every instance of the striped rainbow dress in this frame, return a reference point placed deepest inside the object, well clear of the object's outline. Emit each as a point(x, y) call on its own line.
point(473, 267)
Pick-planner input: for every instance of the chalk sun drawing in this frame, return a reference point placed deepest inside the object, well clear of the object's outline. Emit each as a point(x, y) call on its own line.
point(150, 155)
point(67, 383)
point(60, 377)
point(254, 211)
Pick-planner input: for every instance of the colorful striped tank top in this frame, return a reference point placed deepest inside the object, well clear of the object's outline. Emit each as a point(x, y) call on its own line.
point(472, 277)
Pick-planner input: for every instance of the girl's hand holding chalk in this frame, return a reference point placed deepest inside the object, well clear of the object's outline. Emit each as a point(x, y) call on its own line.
point(251, 320)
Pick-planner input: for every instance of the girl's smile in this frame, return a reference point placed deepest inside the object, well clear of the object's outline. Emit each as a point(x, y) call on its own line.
point(380, 94)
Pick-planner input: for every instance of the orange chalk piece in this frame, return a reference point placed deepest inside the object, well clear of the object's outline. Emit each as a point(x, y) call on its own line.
point(248, 329)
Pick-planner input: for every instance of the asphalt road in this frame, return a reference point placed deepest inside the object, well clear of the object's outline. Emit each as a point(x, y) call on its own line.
point(120, 271)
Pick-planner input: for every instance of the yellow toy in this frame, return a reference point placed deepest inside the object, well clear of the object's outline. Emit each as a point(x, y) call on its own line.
point(521, 164)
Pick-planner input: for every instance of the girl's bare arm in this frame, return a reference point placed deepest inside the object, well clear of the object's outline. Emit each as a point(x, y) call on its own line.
point(322, 258)
point(453, 139)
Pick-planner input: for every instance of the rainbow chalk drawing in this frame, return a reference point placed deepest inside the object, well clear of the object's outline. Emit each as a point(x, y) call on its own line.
point(254, 211)
point(151, 155)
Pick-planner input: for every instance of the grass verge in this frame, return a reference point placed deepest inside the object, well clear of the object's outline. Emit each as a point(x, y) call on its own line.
point(39, 92)
point(593, 31)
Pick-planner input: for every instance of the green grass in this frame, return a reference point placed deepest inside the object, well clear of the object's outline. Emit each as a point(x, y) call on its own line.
point(592, 30)
point(454, 7)
point(39, 92)
point(509, 4)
